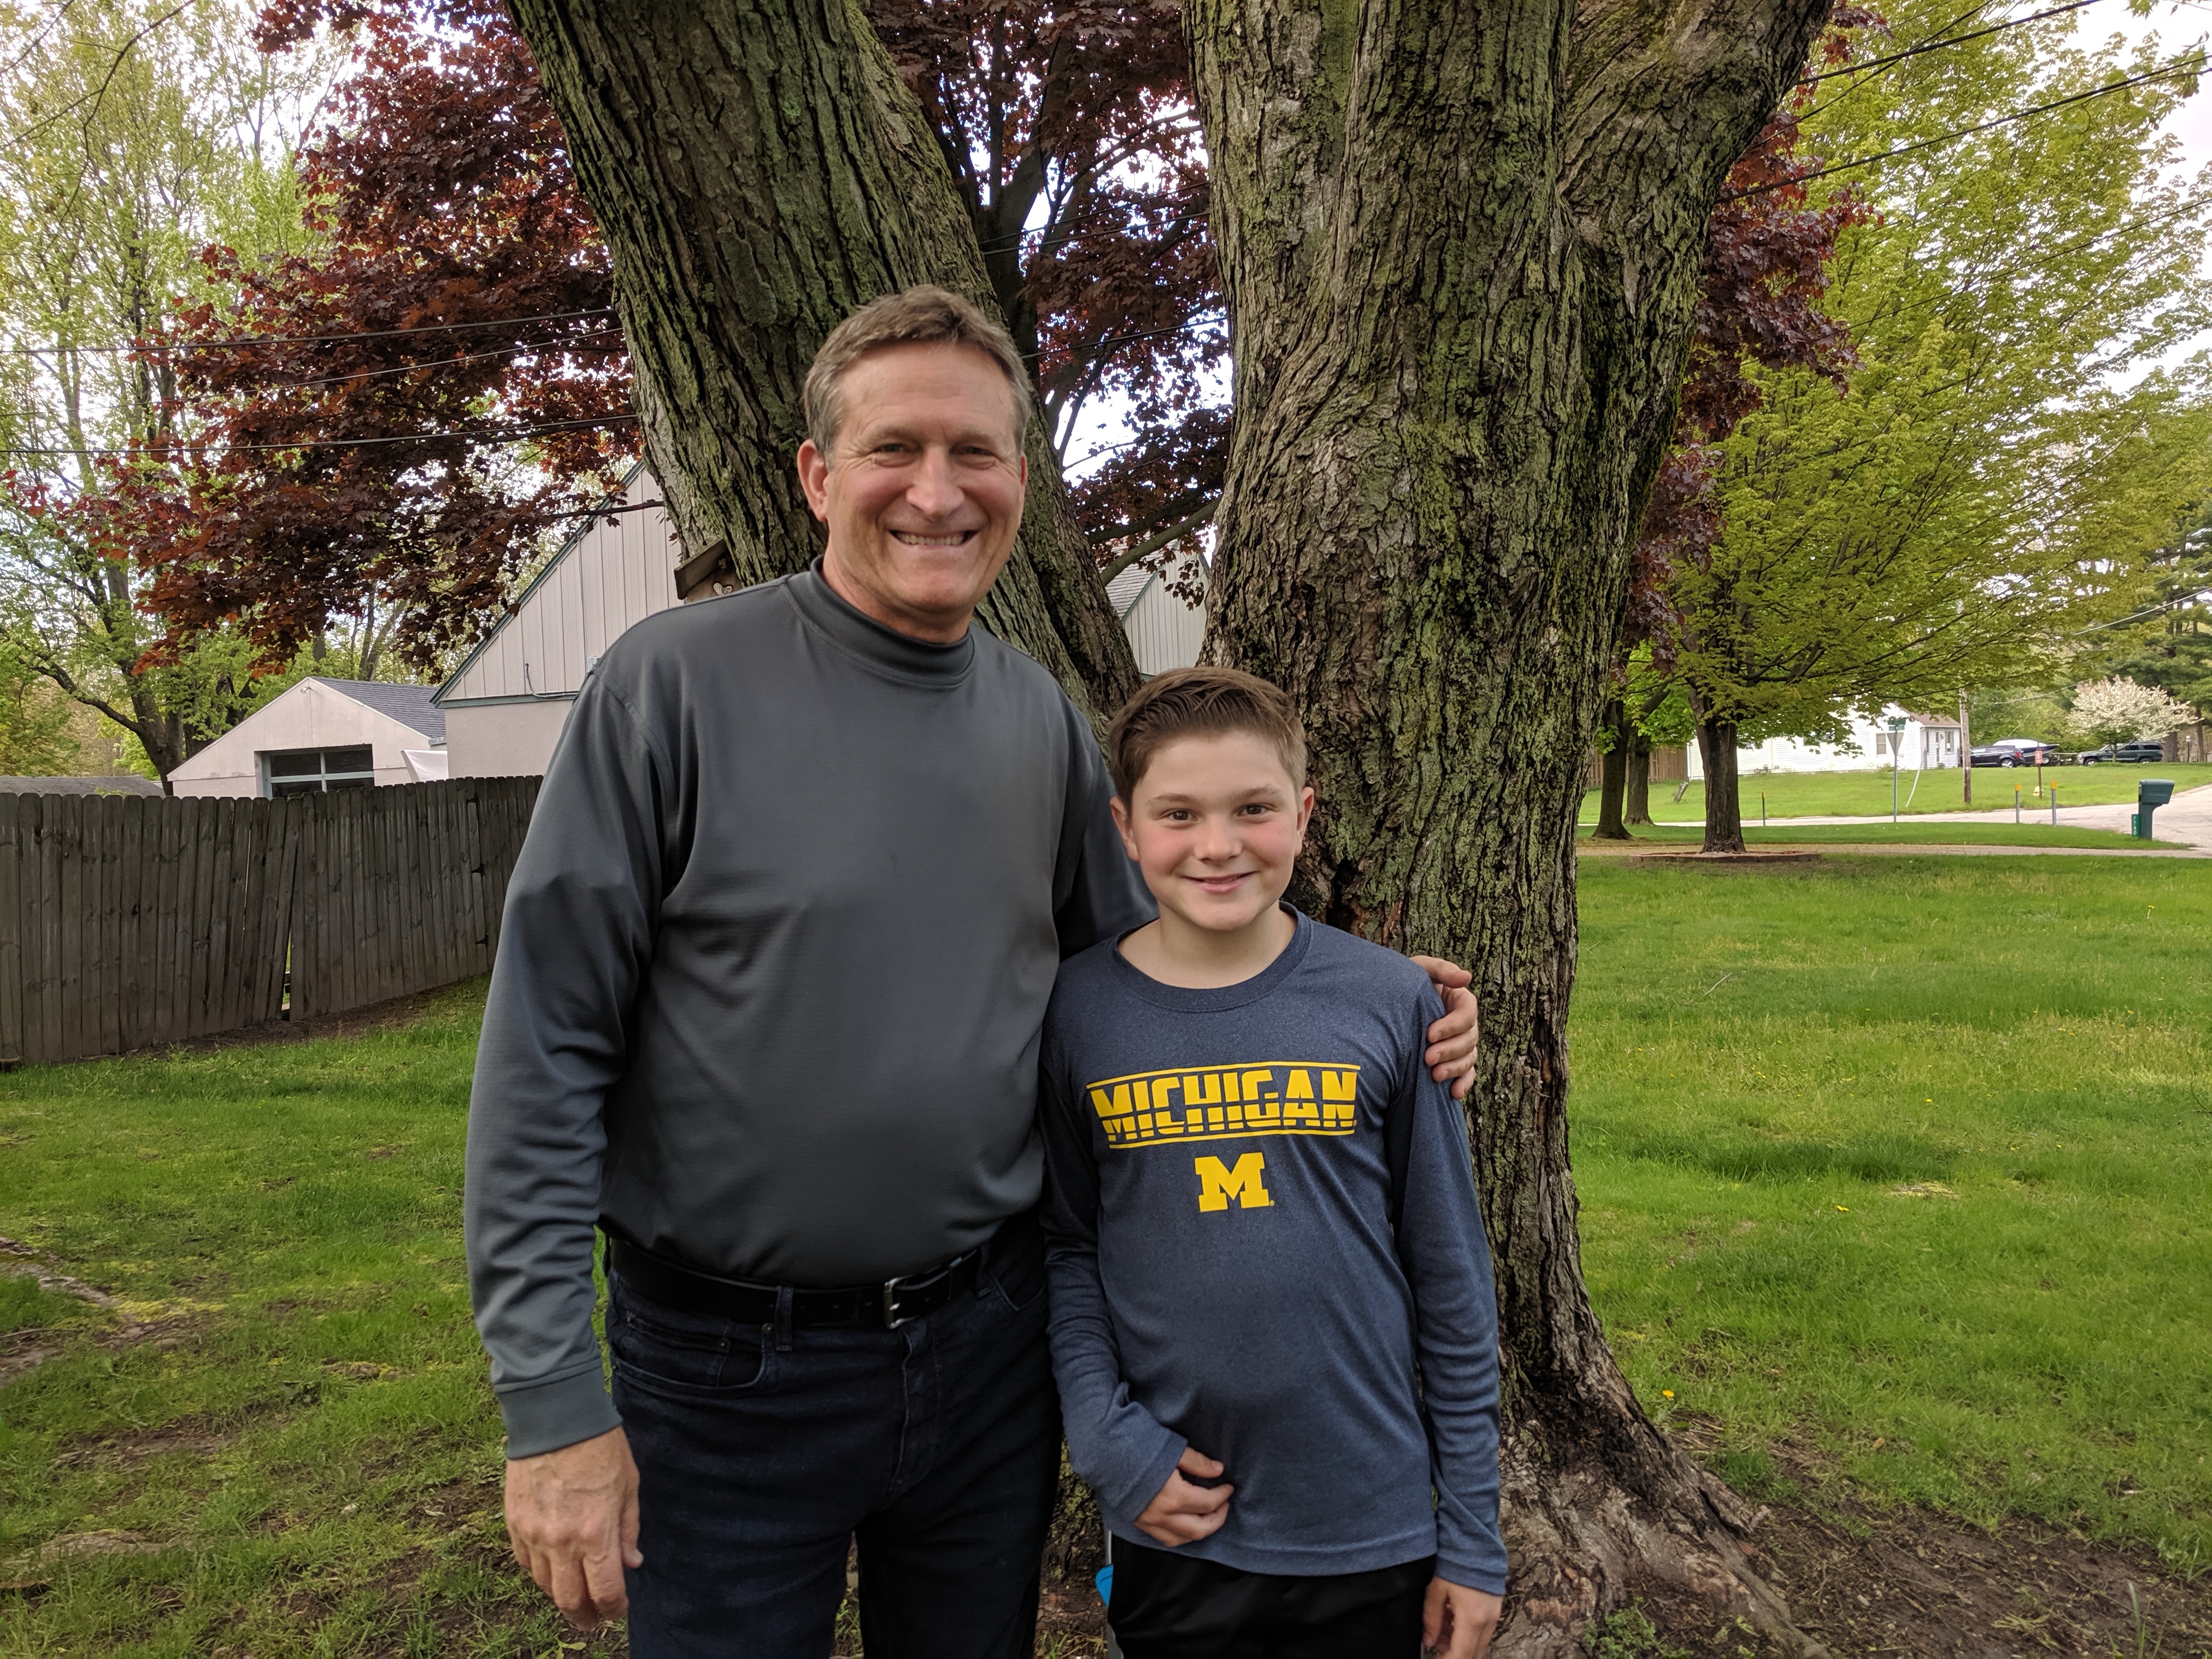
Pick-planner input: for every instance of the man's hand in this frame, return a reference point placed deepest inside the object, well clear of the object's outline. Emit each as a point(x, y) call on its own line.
point(572, 1517)
point(1450, 1057)
point(1457, 1622)
point(1182, 1513)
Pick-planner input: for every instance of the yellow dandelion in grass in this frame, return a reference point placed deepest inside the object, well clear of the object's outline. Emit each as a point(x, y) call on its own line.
point(1668, 1393)
point(1845, 1208)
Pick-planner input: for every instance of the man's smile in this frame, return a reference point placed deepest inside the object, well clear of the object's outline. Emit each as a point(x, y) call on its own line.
point(948, 538)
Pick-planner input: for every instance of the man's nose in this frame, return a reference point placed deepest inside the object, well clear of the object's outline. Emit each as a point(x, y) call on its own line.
point(934, 490)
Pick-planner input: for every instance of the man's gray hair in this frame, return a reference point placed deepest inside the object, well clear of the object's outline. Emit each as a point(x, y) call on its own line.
point(924, 315)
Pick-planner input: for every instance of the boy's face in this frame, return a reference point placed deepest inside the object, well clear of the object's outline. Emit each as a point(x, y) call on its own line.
point(1215, 824)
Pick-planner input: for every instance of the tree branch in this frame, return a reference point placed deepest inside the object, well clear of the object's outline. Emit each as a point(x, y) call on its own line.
point(1153, 544)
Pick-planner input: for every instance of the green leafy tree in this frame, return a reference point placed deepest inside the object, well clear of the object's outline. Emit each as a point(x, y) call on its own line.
point(136, 133)
point(1986, 489)
point(2172, 647)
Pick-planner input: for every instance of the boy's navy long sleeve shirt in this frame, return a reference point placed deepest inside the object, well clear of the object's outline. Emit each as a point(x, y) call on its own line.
point(1225, 1273)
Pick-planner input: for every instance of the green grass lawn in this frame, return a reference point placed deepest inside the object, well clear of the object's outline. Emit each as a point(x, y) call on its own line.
point(307, 1434)
point(1905, 1163)
point(1854, 794)
point(1662, 837)
point(1902, 1162)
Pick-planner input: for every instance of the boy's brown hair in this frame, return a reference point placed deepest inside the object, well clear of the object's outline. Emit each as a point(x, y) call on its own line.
point(1186, 703)
point(923, 315)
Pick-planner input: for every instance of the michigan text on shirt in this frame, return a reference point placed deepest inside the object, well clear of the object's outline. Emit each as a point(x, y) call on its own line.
point(1208, 1102)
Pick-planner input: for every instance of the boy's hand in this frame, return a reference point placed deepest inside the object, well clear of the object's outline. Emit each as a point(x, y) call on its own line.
point(1452, 1040)
point(1457, 1622)
point(1182, 1513)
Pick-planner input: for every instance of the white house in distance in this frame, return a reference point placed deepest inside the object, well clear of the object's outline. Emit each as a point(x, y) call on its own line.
point(1927, 743)
point(505, 705)
point(324, 734)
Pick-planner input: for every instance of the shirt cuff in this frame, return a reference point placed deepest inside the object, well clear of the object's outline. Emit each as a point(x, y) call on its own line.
point(1472, 1572)
point(544, 1417)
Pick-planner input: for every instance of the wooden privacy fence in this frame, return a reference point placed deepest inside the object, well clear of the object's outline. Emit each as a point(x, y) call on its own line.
point(127, 921)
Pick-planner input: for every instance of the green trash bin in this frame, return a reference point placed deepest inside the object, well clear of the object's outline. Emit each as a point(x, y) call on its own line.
point(2151, 793)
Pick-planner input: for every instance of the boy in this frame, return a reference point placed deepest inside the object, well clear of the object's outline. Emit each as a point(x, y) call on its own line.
point(1273, 1320)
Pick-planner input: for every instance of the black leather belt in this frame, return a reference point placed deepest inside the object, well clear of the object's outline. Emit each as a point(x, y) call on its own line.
point(883, 1306)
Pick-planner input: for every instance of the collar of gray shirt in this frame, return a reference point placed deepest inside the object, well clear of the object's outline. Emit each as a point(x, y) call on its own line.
point(851, 630)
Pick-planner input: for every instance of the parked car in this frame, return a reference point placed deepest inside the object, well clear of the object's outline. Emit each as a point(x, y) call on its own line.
point(2140, 752)
point(2015, 751)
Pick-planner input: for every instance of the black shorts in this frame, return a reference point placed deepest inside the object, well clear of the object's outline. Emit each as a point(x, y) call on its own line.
point(1170, 1606)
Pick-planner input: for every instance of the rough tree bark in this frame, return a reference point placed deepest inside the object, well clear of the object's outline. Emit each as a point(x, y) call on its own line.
point(1612, 774)
point(1460, 241)
point(1723, 786)
point(759, 171)
point(1636, 805)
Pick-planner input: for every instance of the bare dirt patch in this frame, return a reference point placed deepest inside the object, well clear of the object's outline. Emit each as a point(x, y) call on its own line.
point(1923, 1584)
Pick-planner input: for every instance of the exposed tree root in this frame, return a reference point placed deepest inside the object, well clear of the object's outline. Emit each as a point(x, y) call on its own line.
point(1581, 1544)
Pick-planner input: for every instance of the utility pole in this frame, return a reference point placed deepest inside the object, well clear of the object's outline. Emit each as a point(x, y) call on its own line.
point(1966, 755)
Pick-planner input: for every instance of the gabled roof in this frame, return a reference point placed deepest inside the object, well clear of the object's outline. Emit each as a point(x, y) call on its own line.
point(615, 498)
point(1128, 587)
point(411, 705)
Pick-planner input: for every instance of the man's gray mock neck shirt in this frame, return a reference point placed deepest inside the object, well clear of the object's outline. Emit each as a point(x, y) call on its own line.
point(773, 965)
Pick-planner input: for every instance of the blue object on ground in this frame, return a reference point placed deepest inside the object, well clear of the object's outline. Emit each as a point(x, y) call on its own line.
point(1105, 1582)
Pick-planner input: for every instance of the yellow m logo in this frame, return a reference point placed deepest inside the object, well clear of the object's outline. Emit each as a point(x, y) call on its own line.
point(1218, 1183)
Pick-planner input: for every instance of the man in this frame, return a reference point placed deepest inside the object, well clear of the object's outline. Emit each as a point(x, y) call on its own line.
point(775, 965)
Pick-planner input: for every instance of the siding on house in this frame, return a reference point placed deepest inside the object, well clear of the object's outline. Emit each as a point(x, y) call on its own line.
point(610, 576)
point(1164, 632)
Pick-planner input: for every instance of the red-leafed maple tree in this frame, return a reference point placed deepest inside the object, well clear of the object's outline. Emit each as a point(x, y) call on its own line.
point(362, 456)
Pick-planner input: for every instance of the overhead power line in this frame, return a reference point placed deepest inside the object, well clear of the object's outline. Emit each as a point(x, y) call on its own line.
point(516, 436)
point(1939, 44)
point(244, 340)
point(2182, 66)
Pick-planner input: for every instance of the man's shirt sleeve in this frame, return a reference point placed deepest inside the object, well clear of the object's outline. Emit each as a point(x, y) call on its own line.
point(1447, 1261)
point(1097, 892)
point(1121, 1450)
point(575, 943)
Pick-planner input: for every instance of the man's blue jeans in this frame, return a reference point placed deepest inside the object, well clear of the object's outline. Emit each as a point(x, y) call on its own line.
point(763, 1451)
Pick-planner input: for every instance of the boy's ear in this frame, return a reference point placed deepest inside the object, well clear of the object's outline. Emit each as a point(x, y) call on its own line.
point(1305, 807)
point(1120, 811)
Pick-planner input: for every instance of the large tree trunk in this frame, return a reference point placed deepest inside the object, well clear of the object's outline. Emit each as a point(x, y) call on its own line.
point(1636, 805)
point(1612, 775)
point(759, 171)
point(1460, 241)
point(1723, 794)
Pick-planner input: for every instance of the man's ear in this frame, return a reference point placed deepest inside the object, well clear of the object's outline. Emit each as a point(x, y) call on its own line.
point(1121, 813)
point(814, 479)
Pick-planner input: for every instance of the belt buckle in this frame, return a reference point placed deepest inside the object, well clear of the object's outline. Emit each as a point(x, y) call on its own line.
point(892, 1318)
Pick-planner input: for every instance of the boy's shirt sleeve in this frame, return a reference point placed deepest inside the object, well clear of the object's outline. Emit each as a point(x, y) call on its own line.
point(1446, 1256)
point(1121, 1450)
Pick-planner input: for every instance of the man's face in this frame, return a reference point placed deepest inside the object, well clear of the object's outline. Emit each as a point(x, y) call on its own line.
point(1215, 825)
point(923, 496)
